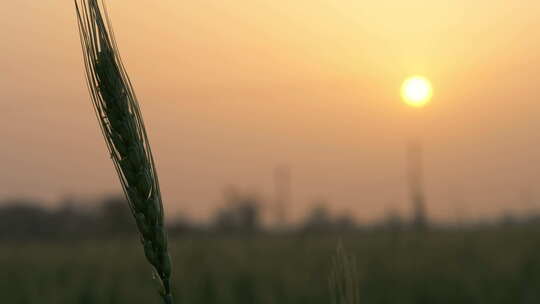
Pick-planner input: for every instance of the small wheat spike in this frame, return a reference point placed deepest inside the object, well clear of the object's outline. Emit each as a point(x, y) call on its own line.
point(343, 280)
point(122, 126)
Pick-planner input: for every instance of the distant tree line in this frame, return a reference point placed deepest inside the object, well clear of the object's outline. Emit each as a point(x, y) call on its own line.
point(27, 219)
point(109, 217)
point(241, 214)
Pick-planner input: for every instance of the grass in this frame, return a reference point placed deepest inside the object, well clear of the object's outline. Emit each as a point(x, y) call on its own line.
point(120, 119)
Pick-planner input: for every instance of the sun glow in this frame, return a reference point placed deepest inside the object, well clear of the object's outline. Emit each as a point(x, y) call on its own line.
point(416, 91)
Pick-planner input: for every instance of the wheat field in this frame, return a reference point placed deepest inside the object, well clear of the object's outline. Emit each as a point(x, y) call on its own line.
point(494, 265)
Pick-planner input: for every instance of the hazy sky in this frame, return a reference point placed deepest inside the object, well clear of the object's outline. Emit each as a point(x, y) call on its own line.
point(230, 89)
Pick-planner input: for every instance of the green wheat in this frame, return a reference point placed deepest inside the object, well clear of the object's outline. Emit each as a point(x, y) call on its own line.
point(122, 125)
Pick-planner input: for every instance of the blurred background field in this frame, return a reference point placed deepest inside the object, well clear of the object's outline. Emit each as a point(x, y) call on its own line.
point(292, 109)
point(491, 264)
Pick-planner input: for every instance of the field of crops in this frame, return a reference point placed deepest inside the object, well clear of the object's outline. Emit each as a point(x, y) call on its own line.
point(489, 266)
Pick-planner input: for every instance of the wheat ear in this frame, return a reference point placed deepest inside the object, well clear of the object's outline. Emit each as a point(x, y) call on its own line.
point(122, 126)
point(343, 280)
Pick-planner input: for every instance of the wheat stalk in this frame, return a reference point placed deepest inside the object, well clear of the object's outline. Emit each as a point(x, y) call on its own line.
point(343, 280)
point(122, 126)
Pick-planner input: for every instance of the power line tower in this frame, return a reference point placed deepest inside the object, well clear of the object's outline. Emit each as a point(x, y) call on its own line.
point(282, 183)
point(420, 220)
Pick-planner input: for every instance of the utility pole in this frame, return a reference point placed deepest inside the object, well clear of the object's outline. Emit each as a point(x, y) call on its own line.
point(420, 221)
point(282, 183)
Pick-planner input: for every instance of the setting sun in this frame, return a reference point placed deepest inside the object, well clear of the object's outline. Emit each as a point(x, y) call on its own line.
point(416, 91)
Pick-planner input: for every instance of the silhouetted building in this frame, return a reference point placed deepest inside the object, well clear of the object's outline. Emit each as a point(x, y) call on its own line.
point(393, 221)
point(116, 218)
point(318, 219)
point(241, 213)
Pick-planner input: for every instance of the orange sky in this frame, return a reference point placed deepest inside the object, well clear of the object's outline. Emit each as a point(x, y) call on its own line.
point(230, 89)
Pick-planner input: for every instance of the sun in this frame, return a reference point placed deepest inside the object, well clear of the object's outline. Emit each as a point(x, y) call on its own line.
point(416, 91)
